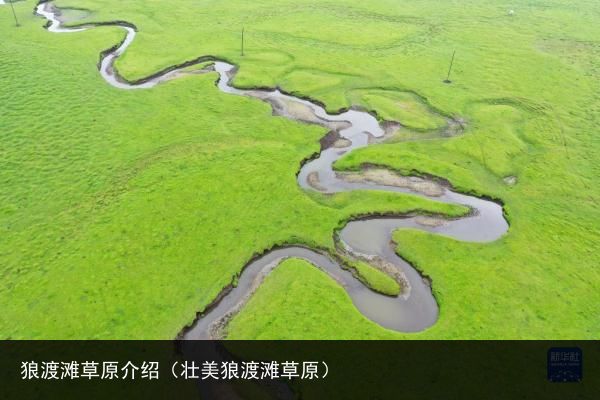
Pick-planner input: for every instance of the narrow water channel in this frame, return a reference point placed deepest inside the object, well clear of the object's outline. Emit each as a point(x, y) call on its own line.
point(366, 239)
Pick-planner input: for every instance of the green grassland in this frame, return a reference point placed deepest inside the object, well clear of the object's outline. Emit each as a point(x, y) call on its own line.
point(399, 106)
point(123, 213)
point(298, 291)
point(374, 278)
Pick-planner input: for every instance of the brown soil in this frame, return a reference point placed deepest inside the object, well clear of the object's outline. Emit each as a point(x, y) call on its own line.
point(205, 70)
point(379, 263)
point(313, 181)
point(390, 127)
point(386, 177)
point(392, 271)
point(430, 221)
point(333, 139)
point(342, 143)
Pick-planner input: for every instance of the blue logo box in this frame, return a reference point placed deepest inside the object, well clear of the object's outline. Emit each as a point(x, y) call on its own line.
point(565, 364)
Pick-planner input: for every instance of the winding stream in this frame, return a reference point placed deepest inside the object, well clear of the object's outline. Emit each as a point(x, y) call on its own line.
point(366, 239)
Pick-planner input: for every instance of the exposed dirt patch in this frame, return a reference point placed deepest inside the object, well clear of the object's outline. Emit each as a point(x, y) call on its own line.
point(430, 221)
point(390, 127)
point(392, 271)
point(386, 177)
point(342, 143)
point(333, 139)
point(313, 181)
point(455, 127)
point(200, 71)
point(218, 329)
point(70, 14)
point(376, 262)
point(298, 111)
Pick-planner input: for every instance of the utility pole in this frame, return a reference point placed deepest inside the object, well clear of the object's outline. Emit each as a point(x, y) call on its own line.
point(14, 13)
point(242, 42)
point(450, 69)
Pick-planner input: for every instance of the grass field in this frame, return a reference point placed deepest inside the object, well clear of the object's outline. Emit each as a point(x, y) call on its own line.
point(123, 213)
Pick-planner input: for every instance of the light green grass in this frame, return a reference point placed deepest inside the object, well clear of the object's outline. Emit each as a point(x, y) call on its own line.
point(399, 106)
point(297, 291)
point(375, 279)
point(123, 213)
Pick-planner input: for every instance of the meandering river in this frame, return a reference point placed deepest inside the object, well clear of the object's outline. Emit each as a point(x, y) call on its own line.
point(367, 240)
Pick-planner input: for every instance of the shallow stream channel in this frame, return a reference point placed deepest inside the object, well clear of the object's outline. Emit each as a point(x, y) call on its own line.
point(367, 239)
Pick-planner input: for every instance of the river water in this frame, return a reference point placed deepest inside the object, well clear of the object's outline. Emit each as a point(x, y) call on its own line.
point(366, 239)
